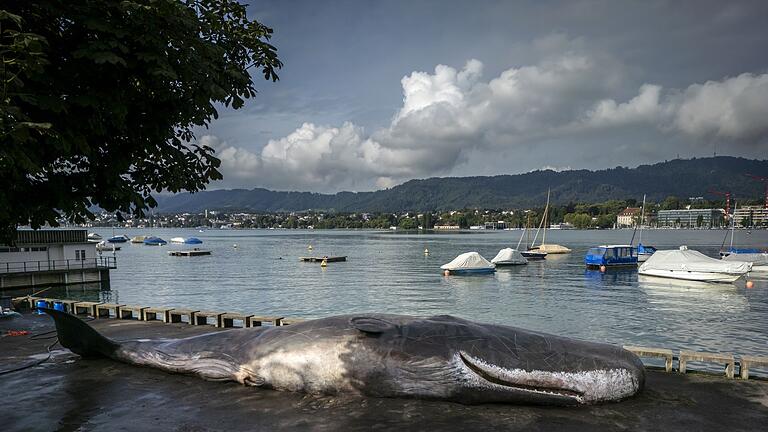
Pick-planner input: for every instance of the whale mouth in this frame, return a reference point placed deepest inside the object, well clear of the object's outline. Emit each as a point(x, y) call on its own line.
point(496, 375)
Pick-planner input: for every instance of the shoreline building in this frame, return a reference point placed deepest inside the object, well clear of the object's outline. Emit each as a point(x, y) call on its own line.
point(690, 218)
point(751, 216)
point(53, 258)
point(628, 218)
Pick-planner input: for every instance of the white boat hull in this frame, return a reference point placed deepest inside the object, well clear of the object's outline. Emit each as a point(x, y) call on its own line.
point(693, 276)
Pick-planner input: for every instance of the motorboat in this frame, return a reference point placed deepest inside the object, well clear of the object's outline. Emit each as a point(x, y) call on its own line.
point(93, 237)
point(122, 238)
point(758, 259)
point(509, 256)
point(469, 263)
point(154, 241)
point(178, 240)
point(193, 240)
point(611, 256)
point(692, 265)
point(138, 239)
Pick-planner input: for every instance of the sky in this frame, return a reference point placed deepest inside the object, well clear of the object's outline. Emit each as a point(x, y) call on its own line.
point(375, 93)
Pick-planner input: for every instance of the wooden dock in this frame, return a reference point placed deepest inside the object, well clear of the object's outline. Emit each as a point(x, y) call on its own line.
point(193, 252)
point(326, 258)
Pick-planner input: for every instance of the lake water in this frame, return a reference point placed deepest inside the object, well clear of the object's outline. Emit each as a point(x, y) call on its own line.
point(389, 272)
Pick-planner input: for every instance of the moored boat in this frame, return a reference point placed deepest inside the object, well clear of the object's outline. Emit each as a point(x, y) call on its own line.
point(193, 240)
point(122, 238)
point(611, 256)
point(509, 256)
point(154, 241)
point(758, 259)
point(178, 240)
point(693, 265)
point(93, 237)
point(644, 252)
point(469, 263)
point(138, 239)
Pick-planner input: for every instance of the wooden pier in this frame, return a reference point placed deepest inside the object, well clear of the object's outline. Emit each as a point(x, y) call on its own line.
point(189, 253)
point(323, 258)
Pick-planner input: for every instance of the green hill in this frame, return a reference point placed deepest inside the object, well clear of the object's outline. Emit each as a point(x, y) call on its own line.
point(681, 177)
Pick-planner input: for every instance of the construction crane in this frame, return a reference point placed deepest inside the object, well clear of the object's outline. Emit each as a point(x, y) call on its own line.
point(762, 179)
point(727, 196)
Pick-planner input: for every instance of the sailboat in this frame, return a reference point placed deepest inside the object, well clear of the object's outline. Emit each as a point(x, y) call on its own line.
point(530, 254)
point(543, 246)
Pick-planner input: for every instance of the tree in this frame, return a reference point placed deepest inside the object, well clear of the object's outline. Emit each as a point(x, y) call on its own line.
point(101, 98)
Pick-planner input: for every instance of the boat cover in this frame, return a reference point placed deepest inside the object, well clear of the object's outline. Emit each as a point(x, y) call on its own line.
point(178, 240)
point(466, 261)
point(692, 260)
point(510, 256)
point(193, 240)
point(553, 248)
point(757, 259)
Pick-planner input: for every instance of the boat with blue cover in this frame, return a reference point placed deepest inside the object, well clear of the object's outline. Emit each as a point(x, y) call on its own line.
point(122, 238)
point(154, 241)
point(611, 256)
point(193, 240)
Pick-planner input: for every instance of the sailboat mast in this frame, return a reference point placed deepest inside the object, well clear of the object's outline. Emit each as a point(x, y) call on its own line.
point(642, 221)
point(546, 220)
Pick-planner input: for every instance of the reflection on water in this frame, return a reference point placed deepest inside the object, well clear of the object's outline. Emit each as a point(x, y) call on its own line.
point(388, 272)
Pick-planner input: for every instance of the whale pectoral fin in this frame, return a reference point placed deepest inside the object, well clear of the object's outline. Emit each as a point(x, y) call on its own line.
point(371, 325)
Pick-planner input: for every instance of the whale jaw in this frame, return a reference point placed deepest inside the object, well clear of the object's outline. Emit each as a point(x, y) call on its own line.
point(556, 387)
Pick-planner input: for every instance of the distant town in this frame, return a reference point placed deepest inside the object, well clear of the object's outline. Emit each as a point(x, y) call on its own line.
point(673, 212)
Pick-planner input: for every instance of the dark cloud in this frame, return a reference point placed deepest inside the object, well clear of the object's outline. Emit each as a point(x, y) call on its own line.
point(376, 93)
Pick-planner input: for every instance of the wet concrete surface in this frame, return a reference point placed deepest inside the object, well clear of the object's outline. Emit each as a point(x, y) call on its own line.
point(70, 393)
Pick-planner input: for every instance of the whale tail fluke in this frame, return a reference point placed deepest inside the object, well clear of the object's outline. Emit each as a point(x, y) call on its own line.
point(79, 337)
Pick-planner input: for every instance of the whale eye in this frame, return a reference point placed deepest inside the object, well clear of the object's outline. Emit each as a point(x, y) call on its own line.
point(371, 325)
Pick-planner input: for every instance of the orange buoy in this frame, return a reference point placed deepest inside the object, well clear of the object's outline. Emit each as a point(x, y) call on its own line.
point(750, 284)
point(602, 269)
point(447, 272)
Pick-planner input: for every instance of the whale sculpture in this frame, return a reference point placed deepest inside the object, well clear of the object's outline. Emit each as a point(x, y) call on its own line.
point(441, 357)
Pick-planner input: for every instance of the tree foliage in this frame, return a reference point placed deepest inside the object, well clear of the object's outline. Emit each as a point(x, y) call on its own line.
point(100, 99)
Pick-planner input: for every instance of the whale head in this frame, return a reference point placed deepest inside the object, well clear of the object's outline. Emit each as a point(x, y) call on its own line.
point(445, 357)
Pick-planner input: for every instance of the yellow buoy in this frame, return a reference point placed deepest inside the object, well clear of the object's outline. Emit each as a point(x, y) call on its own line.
point(447, 272)
point(324, 263)
point(750, 284)
point(234, 245)
point(309, 247)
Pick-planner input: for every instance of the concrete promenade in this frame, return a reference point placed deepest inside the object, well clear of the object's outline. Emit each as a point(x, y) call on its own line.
point(70, 393)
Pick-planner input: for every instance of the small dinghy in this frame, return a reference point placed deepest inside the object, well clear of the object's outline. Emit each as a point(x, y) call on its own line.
point(509, 256)
point(469, 263)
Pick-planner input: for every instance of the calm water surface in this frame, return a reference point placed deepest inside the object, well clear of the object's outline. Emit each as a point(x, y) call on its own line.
point(388, 272)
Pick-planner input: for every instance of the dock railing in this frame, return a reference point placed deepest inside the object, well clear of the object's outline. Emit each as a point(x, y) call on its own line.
point(100, 263)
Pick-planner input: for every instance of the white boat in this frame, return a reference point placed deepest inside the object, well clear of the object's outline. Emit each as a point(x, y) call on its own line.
point(106, 246)
point(93, 237)
point(759, 261)
point(509, 256)
point(178, 240)
point(138, 239)
point(469, 263)
point(692, 265)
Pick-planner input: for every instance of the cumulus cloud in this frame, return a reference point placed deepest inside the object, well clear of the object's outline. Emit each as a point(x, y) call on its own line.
point(450, 113)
